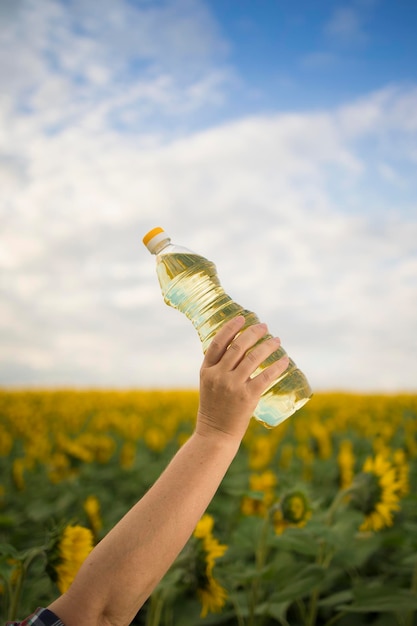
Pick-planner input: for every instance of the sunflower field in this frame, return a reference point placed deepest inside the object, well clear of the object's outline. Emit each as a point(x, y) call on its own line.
point(315, 523)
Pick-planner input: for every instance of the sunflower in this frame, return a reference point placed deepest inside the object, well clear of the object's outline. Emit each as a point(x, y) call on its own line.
point(204, 527)
point(402, 472)
point(18, 471)
point(293, 511)
point(128, 455)
point(261, 452)
point(92, 509)
point(68, 553)
point(376, 492)
point(210, 593)
point(346, 463)
point(264, 485)
point(287, 453)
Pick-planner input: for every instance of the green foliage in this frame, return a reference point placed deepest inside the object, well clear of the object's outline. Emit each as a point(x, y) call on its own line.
point(317, 566)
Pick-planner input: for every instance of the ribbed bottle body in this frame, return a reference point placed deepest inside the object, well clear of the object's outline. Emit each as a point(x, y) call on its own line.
point(190, 283)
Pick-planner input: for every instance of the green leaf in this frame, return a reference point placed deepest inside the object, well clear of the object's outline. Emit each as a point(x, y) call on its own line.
point(410, 559)
point(7, 521)
point(357, 552)
point(247, 573)
point(298, 540)
point(347, 523)
point(337, 598)
point(248, 533)
point(276, 610)
point(302, 584)
point(8, 551)
point(381, 599)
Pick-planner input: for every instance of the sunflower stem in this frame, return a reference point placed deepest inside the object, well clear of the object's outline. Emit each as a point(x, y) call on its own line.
point(16, 590)
point(413, 588)
point(312, 616)
point(260, 557)
point(15, 596)
point(238, 613)
point(340, 496)
point(156, 604)
point(335, 618)
point(301, 610)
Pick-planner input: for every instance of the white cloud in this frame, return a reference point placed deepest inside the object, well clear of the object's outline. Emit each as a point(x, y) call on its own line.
point(380, 113)
point(346, 25)
point(87, 65)
point(294, 209)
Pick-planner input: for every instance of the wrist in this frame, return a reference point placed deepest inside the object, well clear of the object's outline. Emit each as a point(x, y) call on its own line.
point(217, 440)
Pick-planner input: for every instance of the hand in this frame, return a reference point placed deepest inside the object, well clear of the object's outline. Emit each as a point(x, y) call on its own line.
point(228, 394)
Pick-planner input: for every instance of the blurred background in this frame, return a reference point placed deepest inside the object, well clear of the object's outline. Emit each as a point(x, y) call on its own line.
point(278, 139)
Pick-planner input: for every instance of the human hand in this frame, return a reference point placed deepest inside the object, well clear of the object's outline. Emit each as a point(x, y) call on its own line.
point(228, 394)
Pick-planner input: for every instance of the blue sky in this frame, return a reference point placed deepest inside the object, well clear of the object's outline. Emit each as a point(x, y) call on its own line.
point(317, 54)
point(279, 139)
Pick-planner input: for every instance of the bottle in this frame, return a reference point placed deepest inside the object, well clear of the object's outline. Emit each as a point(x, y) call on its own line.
point(189, 283)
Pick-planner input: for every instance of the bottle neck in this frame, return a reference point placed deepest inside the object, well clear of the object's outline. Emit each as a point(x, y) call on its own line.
point(158, 247)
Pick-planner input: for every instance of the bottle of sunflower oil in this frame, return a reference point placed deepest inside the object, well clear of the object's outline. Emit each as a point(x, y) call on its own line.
point(189, 283)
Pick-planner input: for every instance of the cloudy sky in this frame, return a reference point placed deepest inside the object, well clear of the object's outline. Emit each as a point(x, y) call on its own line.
point(278, 139)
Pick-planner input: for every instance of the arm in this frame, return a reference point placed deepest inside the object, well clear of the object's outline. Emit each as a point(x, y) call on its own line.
point(124, 568)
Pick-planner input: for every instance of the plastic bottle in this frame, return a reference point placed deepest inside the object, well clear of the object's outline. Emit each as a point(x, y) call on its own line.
point(189, 283)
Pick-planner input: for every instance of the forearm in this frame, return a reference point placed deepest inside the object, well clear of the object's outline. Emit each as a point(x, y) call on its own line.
point(125, 566)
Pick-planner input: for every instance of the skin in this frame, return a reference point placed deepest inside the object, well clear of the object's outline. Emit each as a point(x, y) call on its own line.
point(124, 568)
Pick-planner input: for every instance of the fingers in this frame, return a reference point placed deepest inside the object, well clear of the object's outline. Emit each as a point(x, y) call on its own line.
point(240, 353)
point(222, 340)
point(269, 375)
point(254, 358)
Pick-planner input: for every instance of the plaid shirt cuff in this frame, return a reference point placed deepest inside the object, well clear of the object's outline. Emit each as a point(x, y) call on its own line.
point(41, 617)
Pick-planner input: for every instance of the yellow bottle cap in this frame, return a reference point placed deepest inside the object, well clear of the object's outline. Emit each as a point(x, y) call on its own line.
point(151, 234)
